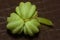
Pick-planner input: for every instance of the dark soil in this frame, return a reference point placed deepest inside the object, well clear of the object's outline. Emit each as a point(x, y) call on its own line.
point(46, 8)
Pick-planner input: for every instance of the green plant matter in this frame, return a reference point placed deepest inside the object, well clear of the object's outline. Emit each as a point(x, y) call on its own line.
point(26, 20)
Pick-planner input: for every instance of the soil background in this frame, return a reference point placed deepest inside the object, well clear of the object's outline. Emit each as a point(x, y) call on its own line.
point(46, 8)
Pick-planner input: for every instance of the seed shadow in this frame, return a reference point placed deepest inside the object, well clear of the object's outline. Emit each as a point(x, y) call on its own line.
point(22, 35)
point(31, 37)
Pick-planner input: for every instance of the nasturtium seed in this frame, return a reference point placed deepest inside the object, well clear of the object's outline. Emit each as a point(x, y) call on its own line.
point(25, 20)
